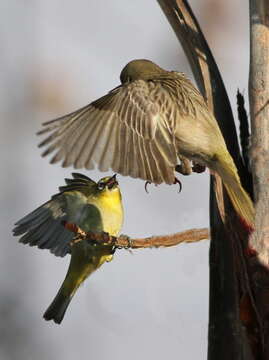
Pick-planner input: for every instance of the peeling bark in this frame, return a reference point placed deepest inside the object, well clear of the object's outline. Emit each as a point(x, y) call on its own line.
point(259, 110)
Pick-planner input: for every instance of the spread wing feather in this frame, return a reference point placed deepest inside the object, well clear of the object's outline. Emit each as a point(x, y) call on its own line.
point(44, 227)
point(128, 130)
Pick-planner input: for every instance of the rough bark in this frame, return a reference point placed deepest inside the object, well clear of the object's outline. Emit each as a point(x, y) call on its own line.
point(259, 110)
point(124, 241)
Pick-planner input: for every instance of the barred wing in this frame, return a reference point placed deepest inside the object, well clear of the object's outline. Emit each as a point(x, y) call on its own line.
point(129, 130)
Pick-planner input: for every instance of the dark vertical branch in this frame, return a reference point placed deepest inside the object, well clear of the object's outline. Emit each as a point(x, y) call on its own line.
point(244, 141)
point(228, 273)
point(244, 127)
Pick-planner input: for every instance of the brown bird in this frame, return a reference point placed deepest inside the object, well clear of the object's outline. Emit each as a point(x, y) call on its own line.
point(141, 129)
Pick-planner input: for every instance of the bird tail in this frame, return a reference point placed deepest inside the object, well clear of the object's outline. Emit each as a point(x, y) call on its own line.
point(59, 305)
point(238, 196)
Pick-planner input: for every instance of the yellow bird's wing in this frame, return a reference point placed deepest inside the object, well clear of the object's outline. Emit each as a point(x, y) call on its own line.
point(129, 130)
point(44, 227)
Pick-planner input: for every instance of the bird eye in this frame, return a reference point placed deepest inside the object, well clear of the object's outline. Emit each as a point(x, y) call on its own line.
point(101, 186)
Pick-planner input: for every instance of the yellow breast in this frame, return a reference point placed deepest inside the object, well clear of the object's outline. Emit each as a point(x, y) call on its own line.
point(110, 206)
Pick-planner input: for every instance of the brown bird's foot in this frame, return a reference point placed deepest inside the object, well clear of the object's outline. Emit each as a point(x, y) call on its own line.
point(146, 186)
point(197, 168)
point(176, 181)
point(184, 167)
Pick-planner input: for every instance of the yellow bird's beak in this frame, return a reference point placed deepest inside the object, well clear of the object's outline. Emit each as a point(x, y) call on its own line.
point(112, 182)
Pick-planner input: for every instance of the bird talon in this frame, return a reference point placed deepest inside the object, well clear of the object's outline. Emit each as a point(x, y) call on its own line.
point(146, 185)
point(176, 181)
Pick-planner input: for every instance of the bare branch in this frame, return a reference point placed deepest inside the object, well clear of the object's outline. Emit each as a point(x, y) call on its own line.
point(123, 241)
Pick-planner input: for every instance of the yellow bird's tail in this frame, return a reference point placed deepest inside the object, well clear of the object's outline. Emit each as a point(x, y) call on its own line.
point(58, 307)
point(241, 201)
point(79, 269)
point(85, 259)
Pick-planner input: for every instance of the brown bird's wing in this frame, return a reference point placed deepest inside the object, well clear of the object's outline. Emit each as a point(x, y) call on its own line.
point(129, 130)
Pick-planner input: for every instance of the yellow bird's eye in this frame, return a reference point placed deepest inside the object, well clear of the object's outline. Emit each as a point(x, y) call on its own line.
point(101, 186)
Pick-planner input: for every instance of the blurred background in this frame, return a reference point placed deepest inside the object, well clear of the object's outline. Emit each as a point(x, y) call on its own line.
point(56, 56)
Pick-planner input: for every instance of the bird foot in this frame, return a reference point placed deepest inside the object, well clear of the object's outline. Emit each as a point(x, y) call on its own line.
point(183, 169)
point(176, 181)
point(146, 186)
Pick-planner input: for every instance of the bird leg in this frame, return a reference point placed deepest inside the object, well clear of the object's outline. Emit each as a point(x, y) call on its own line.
point(185, 166)
point(176, 181)
point(94, 237)
point(146, 186)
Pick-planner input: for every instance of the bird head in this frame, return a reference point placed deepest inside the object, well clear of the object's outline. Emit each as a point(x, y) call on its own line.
point(108, 183)
point(140, 70)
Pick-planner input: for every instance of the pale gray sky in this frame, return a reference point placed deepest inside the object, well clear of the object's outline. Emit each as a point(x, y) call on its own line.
point(57, 56)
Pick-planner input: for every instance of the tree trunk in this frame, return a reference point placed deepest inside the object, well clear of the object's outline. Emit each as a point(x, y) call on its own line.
point(259, 110)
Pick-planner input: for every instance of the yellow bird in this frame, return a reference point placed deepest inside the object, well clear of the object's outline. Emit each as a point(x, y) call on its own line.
point(143, 127)
point(92, 207)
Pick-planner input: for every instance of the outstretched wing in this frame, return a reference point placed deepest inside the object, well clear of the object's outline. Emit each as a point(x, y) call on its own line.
point(44, 227)
point(129, 130)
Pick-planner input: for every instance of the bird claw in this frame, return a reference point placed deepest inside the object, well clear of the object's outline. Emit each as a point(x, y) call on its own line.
point(176, 181)
point(146, 186)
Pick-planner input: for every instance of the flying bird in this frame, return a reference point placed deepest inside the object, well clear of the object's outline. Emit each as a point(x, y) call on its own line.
point(143, 128)
point(89, 205)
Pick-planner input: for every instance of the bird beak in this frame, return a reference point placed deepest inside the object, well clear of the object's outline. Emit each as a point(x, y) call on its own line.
point(112, 181)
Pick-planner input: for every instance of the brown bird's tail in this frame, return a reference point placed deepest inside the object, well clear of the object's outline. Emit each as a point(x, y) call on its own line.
point(241, 201)
point(59, 305)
